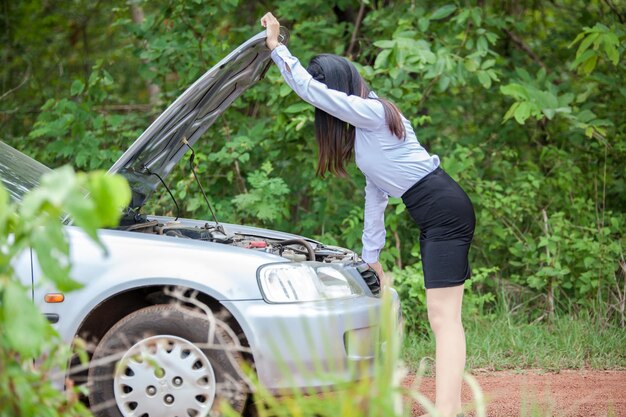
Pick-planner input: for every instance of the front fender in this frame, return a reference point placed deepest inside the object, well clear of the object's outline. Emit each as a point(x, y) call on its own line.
point(135, 260)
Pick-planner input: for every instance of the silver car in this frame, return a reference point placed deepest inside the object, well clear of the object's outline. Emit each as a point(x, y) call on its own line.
point(176, 307)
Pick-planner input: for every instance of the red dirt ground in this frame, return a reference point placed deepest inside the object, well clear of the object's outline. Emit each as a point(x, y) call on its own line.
point(562, 394)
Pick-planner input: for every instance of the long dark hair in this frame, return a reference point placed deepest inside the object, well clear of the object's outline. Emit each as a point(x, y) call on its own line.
point(335, 138)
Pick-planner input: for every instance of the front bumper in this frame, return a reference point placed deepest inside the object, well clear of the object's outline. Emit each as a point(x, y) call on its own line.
point(311, 345)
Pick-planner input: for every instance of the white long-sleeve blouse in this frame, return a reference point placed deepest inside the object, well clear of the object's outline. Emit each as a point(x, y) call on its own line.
point(390, 165)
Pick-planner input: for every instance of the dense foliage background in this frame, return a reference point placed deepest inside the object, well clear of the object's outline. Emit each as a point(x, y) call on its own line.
point(524, 102)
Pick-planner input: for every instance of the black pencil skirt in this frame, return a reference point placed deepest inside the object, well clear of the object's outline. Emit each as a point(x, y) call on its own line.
point(445, 216)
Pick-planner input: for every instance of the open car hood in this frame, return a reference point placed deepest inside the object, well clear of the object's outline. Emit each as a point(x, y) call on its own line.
point(159, 148)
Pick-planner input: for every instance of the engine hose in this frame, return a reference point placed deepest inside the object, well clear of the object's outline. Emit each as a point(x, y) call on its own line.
point(144, 225)
point(302, 242)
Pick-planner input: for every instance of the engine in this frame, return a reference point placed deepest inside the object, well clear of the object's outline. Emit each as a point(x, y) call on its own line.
point(296, 249)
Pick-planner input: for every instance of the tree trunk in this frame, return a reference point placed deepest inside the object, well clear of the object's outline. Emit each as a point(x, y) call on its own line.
point(153, 89)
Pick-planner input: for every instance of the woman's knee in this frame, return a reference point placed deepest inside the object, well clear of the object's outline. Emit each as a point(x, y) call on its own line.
point(442, 316)
point(436, 318)
point(444, 306)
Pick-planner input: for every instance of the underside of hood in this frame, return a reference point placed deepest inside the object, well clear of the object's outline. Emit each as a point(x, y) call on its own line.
point(160, 147)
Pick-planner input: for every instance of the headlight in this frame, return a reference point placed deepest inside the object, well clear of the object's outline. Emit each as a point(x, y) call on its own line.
point(306, 281)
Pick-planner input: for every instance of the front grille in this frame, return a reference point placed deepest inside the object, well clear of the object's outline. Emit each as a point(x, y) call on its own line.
point(370, 278)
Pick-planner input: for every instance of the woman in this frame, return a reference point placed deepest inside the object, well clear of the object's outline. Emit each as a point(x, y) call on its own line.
point(350, 119)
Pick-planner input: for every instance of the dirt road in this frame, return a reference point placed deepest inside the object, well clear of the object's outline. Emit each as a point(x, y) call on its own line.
point(533, 393)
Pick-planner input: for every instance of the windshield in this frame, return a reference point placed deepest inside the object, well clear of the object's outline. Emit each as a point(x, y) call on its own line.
point(18, 172)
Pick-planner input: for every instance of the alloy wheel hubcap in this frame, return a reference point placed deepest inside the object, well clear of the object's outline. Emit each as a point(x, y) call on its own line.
point(164, 373)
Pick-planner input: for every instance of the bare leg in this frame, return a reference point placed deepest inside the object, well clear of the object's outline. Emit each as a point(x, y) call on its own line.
point(444, 315)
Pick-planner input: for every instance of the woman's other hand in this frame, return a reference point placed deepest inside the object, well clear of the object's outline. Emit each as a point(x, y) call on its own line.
point(273, 30)
point(378, 268)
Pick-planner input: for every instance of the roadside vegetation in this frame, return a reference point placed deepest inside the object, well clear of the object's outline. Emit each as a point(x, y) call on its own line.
point(32, 355)
point(523, 101)
point(499, 343)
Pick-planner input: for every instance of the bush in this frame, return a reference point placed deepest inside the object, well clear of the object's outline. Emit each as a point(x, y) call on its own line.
point(32, 356)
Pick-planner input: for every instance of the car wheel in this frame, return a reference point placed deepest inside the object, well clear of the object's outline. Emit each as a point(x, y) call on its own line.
point(158, 361)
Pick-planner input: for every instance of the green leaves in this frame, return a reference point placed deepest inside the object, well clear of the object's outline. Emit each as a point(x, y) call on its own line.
point(24, 327)
point(110, 194)
point(4, 210)
point(77, 87)
point(93, 201)
point(51, 248)
point(533, 102)
point(443, 12)
point(451, 58)
point(263, 200)
point(595, 43)
point(237, 149)
point(298, 108)
point(406, 51)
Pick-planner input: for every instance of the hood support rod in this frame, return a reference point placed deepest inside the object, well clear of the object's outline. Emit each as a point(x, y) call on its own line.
point(167, 188)
point(218, 226)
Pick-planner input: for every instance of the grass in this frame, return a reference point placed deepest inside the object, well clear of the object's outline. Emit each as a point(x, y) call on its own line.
point(501, 343)
point(494, 343)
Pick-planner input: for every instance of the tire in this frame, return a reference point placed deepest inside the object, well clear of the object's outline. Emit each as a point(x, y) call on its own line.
point(153, 363)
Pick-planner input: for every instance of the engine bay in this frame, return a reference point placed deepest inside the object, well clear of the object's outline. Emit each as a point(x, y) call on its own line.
point(294, 249)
